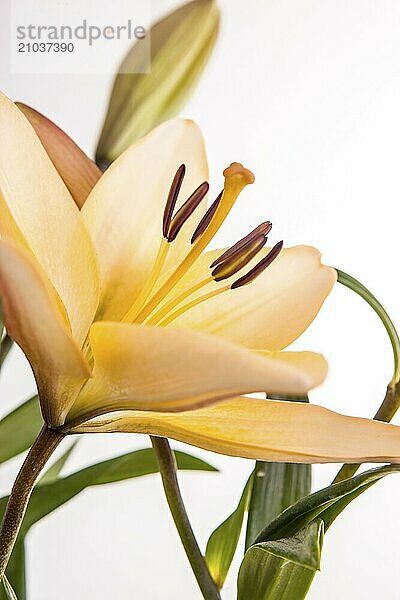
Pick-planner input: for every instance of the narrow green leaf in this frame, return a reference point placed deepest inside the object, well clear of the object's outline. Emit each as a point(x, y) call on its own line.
point(181, 44)
point(49, 496)
point(18, 429)
point(223, 542)
point(303, 549)
point(10, 594)
point(276, 486)
point(282, 569)
point(52, 491)
point(54, 471)
point(326, 504)
point(283, 576)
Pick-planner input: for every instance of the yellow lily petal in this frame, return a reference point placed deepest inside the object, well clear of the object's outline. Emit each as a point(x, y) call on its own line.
point(36, 322)
point(124, 210)
point(266, 430)
point(38, 213)
point(77, 170)
point(151, 368)
point(273, 310)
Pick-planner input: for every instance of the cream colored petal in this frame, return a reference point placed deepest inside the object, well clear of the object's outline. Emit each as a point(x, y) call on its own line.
point(36, 322)
point(150, 368)
point(266, 430)
point(38, 213)
point(269, 313)
point(124, 210)
point(77, 170)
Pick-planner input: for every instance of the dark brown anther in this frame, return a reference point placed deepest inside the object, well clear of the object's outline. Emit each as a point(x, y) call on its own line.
point(262, 229)
point(186, 211)
point(206, 220)
point(259, 268)
point(172, 198)
point(239, 260)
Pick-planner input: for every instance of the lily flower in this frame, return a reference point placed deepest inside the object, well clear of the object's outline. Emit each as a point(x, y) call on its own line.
point(131, 324)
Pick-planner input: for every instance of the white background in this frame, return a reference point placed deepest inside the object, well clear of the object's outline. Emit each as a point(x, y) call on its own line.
point(307, 94)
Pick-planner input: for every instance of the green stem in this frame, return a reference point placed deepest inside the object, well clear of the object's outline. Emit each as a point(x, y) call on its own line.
point(167, 465)
point(391, 401)
point(44, 446)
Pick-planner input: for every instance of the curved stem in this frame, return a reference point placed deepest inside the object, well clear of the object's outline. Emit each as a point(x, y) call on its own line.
point(167, 465)
point(360, 289)
point(44, 446)
point(391, 401)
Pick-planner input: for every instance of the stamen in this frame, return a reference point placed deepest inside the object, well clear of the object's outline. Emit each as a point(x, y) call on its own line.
point(259, 268)
point(150, 281)
point(172, 198)
point(262, 229)
point(186, 210)
point(236, 178)
point(239, 259)
point(205, 221)
point(192, 304)
point(236, 257)
point(166, 308)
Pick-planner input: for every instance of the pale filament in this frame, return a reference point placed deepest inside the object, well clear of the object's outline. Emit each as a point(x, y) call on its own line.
point(159, 262)
point(176, 300)
point(179, 311)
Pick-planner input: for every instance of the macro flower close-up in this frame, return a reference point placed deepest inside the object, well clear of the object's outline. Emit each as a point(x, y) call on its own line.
point(147, 332)
point(182, 288)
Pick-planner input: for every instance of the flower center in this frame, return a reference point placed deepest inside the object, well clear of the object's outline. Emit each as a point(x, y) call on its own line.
point(162, 306)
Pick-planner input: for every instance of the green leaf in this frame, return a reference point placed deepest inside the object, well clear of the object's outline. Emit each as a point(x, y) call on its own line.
point(282, 569)
point(53, 493)
point(223, 541)
point(49, 496)
point(10, 594)
point(19, 429)
point(276, 486)
point(326, 504)
point(284, 577)
point(181, 44)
